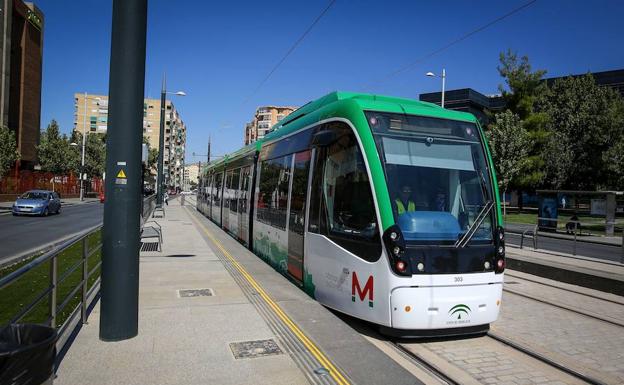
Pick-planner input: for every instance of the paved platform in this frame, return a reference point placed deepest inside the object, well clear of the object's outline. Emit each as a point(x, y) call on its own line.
point(188, 340)
point(592, 273)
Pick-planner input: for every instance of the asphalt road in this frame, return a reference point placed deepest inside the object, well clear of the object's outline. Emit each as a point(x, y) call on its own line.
point(585, 249)
point(21, 235)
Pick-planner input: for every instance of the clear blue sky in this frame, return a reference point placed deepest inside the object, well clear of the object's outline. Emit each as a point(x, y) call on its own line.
point(219, 51)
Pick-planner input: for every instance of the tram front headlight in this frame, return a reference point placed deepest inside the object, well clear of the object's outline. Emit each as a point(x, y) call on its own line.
point(499, 262)
point(395, 247)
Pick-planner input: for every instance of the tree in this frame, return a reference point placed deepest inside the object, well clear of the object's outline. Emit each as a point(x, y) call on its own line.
point(8, 150)
point(54, 151)
point(95, 155)
point(614, 165)
point(152, 158)
point(586, 122)
point(509, 145)
point(525, 88)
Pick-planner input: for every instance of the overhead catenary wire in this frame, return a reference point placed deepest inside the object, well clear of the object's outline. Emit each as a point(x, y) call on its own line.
point(290, 50)
point(450, 44)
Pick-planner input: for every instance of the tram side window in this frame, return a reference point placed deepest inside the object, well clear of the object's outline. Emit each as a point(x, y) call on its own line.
point(216, 191)
point(342, 205)
point(245, 183)
point(208, 189)
point(227, 189)
point(234, 193)
point(273, 195)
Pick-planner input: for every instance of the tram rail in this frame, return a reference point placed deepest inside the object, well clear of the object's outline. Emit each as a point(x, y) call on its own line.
point(509, 273)
point(610, 320)
point(542, 358)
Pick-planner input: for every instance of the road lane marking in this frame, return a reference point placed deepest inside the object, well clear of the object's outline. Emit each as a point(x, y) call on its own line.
point(314, 350)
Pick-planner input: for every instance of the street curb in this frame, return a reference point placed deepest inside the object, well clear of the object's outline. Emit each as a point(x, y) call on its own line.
point(597, 280)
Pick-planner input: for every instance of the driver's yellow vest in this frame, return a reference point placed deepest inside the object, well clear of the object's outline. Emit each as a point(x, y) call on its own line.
point(411, 206)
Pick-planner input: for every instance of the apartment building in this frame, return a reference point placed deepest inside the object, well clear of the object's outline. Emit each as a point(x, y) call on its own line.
point(91, 116)
point(264, 118)
point(21, 52)
point(191, 174)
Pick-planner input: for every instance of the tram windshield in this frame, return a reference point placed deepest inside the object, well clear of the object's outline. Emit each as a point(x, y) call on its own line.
point(437, 178)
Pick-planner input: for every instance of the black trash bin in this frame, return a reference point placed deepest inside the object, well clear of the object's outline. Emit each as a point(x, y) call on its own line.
point(27, 353)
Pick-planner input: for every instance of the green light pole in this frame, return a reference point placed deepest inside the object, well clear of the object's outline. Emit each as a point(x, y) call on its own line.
point(119, 317)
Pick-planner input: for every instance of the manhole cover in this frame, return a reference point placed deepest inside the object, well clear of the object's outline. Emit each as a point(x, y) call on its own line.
point(149, 246)
point(512, 283)
point(253, 349)
point(195, 293)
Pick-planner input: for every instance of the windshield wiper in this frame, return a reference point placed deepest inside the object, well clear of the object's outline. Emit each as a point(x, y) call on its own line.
point(463, 241)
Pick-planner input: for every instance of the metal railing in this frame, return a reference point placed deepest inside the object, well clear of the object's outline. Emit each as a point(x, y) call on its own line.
point(75, 254)
point(533, 235)
point(574, 228)
point(56, 304)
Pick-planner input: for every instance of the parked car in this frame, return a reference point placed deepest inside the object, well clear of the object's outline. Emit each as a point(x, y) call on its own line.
point(37, 202)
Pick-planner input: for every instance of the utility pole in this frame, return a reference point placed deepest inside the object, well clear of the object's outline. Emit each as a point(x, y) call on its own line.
point(208, 154)
point(119, 317)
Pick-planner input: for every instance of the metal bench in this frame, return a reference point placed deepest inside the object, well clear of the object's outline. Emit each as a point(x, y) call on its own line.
point(159, 209)
point(151, 232)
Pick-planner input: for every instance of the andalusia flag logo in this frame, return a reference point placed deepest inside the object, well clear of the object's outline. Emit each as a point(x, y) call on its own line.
point(460, 310)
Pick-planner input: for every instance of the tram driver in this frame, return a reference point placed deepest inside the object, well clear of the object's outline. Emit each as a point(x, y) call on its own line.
point(404, 203)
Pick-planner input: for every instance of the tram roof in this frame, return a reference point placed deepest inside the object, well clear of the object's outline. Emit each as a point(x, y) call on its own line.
point(336, 104)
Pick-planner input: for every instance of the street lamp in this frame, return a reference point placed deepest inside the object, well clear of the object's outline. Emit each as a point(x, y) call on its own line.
point(161, 140)
point(443, 76)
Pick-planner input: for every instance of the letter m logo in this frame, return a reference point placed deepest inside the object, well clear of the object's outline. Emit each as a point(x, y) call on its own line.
point(366, 292)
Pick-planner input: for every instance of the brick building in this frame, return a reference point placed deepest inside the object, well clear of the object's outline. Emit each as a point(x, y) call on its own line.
point(264, 118)
point(21, 53)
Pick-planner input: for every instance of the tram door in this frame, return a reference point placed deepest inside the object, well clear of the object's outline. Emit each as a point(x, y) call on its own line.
point(243, 204)
point(296, 220)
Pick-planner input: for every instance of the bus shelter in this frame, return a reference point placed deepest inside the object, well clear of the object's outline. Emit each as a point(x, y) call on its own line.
point(559, 203)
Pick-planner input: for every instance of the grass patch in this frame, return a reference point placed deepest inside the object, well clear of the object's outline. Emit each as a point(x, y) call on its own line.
point(19, 294)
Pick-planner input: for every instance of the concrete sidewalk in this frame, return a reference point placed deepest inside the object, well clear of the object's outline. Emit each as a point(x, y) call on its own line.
point(182, 340)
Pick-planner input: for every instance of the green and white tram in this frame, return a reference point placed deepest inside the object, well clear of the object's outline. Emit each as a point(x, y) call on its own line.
point(382, 208)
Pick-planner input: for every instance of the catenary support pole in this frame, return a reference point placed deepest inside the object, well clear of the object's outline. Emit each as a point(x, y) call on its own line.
point(120, 260)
